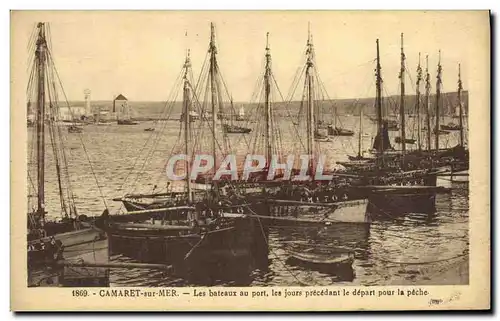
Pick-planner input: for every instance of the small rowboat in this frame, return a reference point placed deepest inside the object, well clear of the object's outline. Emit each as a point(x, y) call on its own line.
point(320, 258)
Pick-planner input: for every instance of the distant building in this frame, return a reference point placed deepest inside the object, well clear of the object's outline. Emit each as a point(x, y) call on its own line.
point(121, 107)
point(71, 113)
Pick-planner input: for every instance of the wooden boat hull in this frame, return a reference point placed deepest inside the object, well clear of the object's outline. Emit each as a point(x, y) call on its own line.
point(335, 263)
point(387, 204)
point(321, 267)
point(45, 250)
point(229, 129)
point(194, 254)
point(132, 206)
point(450, 127)
point(75, 130)
point(126, 122)
point(335, 131)
point(348, 212)
point(398, 140)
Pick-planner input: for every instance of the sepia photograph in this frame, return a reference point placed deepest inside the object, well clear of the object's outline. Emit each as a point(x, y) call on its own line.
point(213, 153)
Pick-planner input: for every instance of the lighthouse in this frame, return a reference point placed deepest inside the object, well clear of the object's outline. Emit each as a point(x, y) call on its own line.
point(88, 108)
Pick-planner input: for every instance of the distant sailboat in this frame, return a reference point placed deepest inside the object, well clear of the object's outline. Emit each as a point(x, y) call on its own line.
point(235, 129)
point(241, 114)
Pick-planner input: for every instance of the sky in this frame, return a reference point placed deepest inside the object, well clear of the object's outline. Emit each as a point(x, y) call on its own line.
point(140, 54)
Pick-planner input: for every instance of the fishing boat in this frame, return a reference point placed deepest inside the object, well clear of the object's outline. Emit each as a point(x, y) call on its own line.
point(396, 169)
point(126, 122)
point(241, 114)
point(290, 200)
point(359, 156)
point(179, 236)
point(233, 129)
point(150, 129)
point(338, 131)
point(334, 129)
point(46, 237)
point(188, 230)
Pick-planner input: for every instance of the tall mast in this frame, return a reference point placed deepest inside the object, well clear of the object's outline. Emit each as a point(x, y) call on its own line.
point(378, 104)
point(460, 108)
point(41, 47)
point(402, 103)
point(427, 102)
point(213, 85)
point(268, 114)
point(417, 107)
point(438, 96)
point(187, 121)
point(310, 99)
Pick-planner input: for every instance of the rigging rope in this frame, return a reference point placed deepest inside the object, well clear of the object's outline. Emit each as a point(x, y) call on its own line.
point(79, 135)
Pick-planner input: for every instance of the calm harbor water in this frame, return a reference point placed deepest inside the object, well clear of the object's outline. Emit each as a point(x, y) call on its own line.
point(127, 159)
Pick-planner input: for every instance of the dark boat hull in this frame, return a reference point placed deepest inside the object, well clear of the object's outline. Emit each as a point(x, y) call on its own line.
point(194, 254)
point(46, 250)
point(228, 129)
point(126, 122)
point(387, 205)
point(407, 140)
point(74, 130)
point(450, 127)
